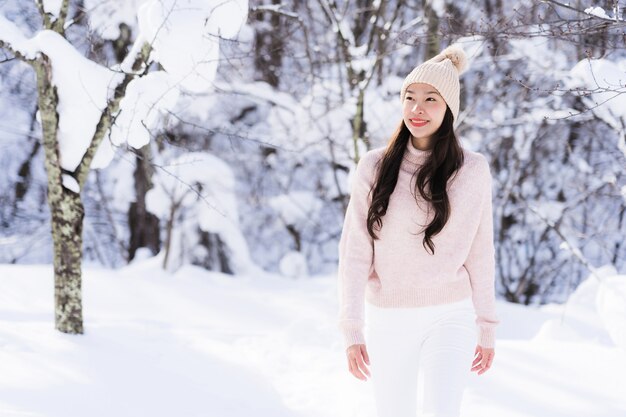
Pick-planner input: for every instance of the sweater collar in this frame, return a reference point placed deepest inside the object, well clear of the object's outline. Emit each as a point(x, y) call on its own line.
point(413, 157)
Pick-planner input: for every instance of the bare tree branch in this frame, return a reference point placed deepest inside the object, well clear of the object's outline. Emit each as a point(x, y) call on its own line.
point(45, 16)
point(106, 118)
point(59, 24)
point(567, 6)
point(15, 52)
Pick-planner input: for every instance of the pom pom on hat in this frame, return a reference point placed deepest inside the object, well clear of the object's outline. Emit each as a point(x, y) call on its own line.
point(455, 54)
point(442, 72)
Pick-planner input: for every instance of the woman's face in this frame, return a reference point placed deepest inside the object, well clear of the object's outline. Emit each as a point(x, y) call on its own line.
point(423, 110)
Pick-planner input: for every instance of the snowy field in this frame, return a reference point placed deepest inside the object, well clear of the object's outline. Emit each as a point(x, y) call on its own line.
point(204, 344)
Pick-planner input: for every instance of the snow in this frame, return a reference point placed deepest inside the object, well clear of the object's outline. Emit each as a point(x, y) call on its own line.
point(203, 186)
point(293, 265)
point(185, 36)
point(550, 210)
point(474, 46)
point(581, 164)
point(439, 7)
point(105, 16)
point(260, 90)
point(197, 343)
point(607, 100)
point(122, 189)
point(607, 77)
point(295, 207)
point(611, 305)
point(176, 178)
point(52, 6)
point(11, 34)
point(246, 35)
point(343, 27)
point(364, 65)
point(70, 183)
point(597, 11)
point(321, 114)
point(147, 99)
point(539, 54)
point(83, 88)
point(200, 343)
point(359, 60)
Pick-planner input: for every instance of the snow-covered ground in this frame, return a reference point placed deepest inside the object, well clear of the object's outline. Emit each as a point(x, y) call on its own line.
point(204, 344)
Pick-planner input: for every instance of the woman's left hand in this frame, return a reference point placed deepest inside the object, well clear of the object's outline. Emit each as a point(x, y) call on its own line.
point(483, 357)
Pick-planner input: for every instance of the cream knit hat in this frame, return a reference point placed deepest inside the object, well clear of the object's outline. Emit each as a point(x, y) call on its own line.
point(442, 72)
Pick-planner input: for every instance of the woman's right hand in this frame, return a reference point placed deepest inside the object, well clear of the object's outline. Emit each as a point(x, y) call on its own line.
point(357, 360)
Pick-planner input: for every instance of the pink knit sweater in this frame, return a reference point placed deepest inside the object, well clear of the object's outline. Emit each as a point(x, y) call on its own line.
point(395, 270)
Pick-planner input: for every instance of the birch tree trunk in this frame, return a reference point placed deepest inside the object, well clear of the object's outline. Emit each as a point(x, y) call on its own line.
point(66, 208)
point(66, 212)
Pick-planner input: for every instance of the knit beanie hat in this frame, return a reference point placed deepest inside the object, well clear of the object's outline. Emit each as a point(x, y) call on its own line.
point(442, 72)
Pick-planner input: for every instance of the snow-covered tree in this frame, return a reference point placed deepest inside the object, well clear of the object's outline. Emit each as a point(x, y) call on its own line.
point(86, 108)
point(194, 195)
point(307, 88)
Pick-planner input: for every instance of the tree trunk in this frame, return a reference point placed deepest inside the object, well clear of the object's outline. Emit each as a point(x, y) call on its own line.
point(66, 212)
point(67, 235)
point(217, 256)
point(433, 40)
point(169, 230)
point(144, 226)
point(359, 125)
point(66, 207)
point(269, 46)
point(24, 173)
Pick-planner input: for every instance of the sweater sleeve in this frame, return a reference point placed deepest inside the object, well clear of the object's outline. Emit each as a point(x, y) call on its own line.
point(480, 265)
point(356, 254)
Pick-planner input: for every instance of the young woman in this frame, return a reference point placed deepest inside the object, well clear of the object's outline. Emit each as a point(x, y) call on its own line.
point(416, 255)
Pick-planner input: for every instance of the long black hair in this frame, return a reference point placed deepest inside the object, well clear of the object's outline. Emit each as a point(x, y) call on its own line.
point(432, 178)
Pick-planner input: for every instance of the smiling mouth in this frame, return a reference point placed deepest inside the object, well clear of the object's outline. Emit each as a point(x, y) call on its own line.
point(418, 123)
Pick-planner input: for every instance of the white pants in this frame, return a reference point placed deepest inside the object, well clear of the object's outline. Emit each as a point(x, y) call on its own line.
point(435, 342)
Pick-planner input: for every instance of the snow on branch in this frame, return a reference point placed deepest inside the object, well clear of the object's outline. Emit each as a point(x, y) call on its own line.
point(52, 7)
point(274, 8)
point(601, 13)
point(12, 38)
point(606, 97)
point(185, 35)
point(53, 13)
point(182, 35)
point(597, 12)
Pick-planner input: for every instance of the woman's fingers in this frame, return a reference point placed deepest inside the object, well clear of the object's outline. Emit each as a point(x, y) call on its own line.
point(356, 363)
point(362, 366)
point(477, 357)
point(488, 355)
point(483, 360)
point(355, 369)
point(365, 355)
point(477, 361)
